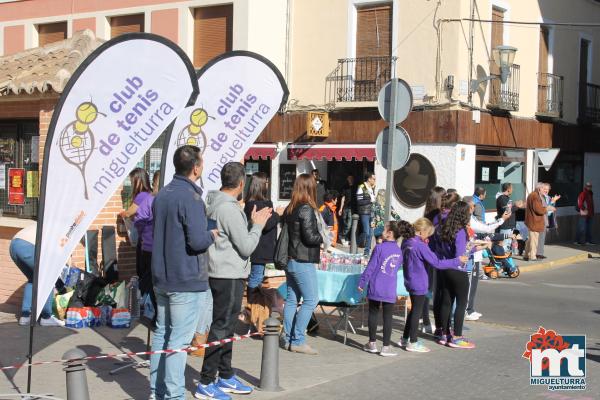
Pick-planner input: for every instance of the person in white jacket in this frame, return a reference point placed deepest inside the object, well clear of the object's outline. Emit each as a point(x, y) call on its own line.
point(479, 228)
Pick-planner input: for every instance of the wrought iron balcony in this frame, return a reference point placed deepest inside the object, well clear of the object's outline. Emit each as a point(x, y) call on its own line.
point(589, 103)
point(550, 95)
point(505, 96)
point(358, 79)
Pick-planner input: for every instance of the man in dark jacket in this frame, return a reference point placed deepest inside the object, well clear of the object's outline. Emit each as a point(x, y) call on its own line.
point(179, 270)
point(365, 197)
point(585, 205)
point(321, 187)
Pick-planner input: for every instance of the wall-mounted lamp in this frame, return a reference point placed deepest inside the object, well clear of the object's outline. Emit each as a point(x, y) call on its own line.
point(504, 57)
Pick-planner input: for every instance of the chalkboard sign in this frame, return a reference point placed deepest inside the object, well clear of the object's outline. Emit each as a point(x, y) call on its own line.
point(287, 176)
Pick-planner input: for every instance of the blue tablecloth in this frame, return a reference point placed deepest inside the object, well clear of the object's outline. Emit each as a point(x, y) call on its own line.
point(338, 287)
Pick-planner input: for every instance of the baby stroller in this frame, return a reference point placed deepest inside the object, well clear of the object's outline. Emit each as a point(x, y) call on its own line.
point(500, 265)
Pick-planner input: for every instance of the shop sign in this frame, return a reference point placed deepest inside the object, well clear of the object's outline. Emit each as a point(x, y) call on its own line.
point(317, 124)
point(16, 186)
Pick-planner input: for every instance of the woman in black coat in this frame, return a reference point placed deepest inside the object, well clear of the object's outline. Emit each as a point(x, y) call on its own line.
point(258, 196)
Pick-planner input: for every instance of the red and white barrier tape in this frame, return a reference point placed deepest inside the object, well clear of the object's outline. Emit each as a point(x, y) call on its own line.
point(141, 353)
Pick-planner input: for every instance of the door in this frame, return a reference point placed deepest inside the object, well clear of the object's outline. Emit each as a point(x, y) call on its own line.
point(543, 79)
point(373, 51)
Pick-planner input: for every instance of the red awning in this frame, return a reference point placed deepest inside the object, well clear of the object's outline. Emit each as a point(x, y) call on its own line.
point(331, 152)
point(260, 152)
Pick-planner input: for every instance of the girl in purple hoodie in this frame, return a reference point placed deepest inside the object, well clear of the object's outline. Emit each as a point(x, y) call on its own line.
point(416, 254)
point(381, 275)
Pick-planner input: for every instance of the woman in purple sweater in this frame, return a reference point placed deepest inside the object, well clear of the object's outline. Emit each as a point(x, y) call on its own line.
point(416, 254)
point(381, 275)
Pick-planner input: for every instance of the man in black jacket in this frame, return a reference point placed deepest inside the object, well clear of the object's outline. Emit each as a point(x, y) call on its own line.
point(179, 270)
point(365, 197)
point(321, 188)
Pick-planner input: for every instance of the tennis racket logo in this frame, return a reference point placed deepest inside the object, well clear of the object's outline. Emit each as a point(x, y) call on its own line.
point(77, 140)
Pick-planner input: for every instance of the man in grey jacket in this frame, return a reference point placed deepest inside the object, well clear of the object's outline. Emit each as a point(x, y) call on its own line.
point(228, 268)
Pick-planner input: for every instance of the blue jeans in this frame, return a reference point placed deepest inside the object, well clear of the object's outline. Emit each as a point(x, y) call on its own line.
point(301, 283)
point(584, 228)
point(177, 318)
point(23, 253)
point(206, 312)
point(346, 223)
point(365, 221)
point(257, 274)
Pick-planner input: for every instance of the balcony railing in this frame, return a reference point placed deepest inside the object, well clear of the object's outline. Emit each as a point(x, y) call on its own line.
point(505, 96)
point(589, 103)
point(358, 79)
point(550, 95)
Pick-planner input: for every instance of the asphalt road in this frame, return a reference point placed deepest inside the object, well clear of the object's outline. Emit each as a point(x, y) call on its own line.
point(566, 299)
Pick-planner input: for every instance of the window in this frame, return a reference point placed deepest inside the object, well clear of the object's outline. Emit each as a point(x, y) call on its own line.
point(213, 32)
point(126, 24)
point(50, 33)
point(565, 177)
point(19, 148)
point(494, 167)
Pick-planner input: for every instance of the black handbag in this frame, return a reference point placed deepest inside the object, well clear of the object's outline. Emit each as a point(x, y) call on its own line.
point(281, 249)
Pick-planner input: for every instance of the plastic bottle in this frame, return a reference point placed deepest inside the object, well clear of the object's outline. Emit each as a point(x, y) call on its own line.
point(134, 297)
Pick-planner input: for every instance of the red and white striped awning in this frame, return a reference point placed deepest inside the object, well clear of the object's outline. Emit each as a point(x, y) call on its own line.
point(261, 152)
point(330, 152)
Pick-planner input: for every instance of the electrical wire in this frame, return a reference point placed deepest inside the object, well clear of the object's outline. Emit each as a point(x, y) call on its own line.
point(567, 24)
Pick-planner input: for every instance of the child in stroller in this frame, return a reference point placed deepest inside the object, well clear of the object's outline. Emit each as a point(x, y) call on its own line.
point(500, 262)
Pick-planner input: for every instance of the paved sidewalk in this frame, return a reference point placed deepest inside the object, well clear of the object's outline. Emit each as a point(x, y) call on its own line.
point(559, 255)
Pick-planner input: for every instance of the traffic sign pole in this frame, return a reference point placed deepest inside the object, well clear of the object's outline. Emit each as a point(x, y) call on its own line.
point(389, 182)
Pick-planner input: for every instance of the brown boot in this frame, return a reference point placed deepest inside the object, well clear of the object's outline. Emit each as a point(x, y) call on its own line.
point(198, 340)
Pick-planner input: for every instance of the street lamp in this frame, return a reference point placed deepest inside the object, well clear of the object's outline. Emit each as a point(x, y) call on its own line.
point(504, 57)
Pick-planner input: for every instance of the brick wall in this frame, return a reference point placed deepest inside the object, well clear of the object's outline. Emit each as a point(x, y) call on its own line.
point(11, 279)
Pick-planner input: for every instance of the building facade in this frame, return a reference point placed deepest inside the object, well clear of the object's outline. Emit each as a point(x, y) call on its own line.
point(468, 127)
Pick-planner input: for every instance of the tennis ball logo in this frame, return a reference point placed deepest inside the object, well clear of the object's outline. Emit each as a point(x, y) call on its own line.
point(77, 140)
point(192, 134)
point(87, 113)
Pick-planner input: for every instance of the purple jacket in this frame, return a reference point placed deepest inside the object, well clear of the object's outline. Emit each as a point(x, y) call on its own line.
point(415, 255)
point(143, 219)
point(382, 272)
point(451, 250)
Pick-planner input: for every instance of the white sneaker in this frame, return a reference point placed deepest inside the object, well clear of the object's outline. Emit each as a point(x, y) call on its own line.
point(387, 351)
point(478, 314)
point(370, 347)
point(51, 321)
point(471, 317)
point(24, 321)
point(428, 329)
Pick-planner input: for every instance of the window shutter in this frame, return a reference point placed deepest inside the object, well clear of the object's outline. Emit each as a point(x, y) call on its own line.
point(374, 31)
point(50, 33)
point(126, 24)
point(213, 31)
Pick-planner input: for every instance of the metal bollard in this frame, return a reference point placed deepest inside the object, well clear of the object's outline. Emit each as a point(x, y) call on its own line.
point(353, 244)
point(77, 387)
point(269, 366)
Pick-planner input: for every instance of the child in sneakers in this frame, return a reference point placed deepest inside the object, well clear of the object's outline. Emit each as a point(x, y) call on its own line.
point(415, 255)
point(381, 275)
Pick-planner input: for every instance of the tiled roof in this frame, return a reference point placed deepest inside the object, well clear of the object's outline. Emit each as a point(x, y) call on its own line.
point(45, 68)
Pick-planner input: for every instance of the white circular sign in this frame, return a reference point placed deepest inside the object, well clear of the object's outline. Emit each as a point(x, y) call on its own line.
point(404, 100)
point(401, 151)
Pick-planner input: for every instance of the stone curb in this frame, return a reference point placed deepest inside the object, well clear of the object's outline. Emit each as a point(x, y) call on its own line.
point(532, 266)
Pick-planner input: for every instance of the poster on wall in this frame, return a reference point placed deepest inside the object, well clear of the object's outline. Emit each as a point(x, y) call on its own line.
point(2, 176)
point(240, 92)
point(108, 116)
point(33, 184)
point(485, 174)
point(16, 186)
